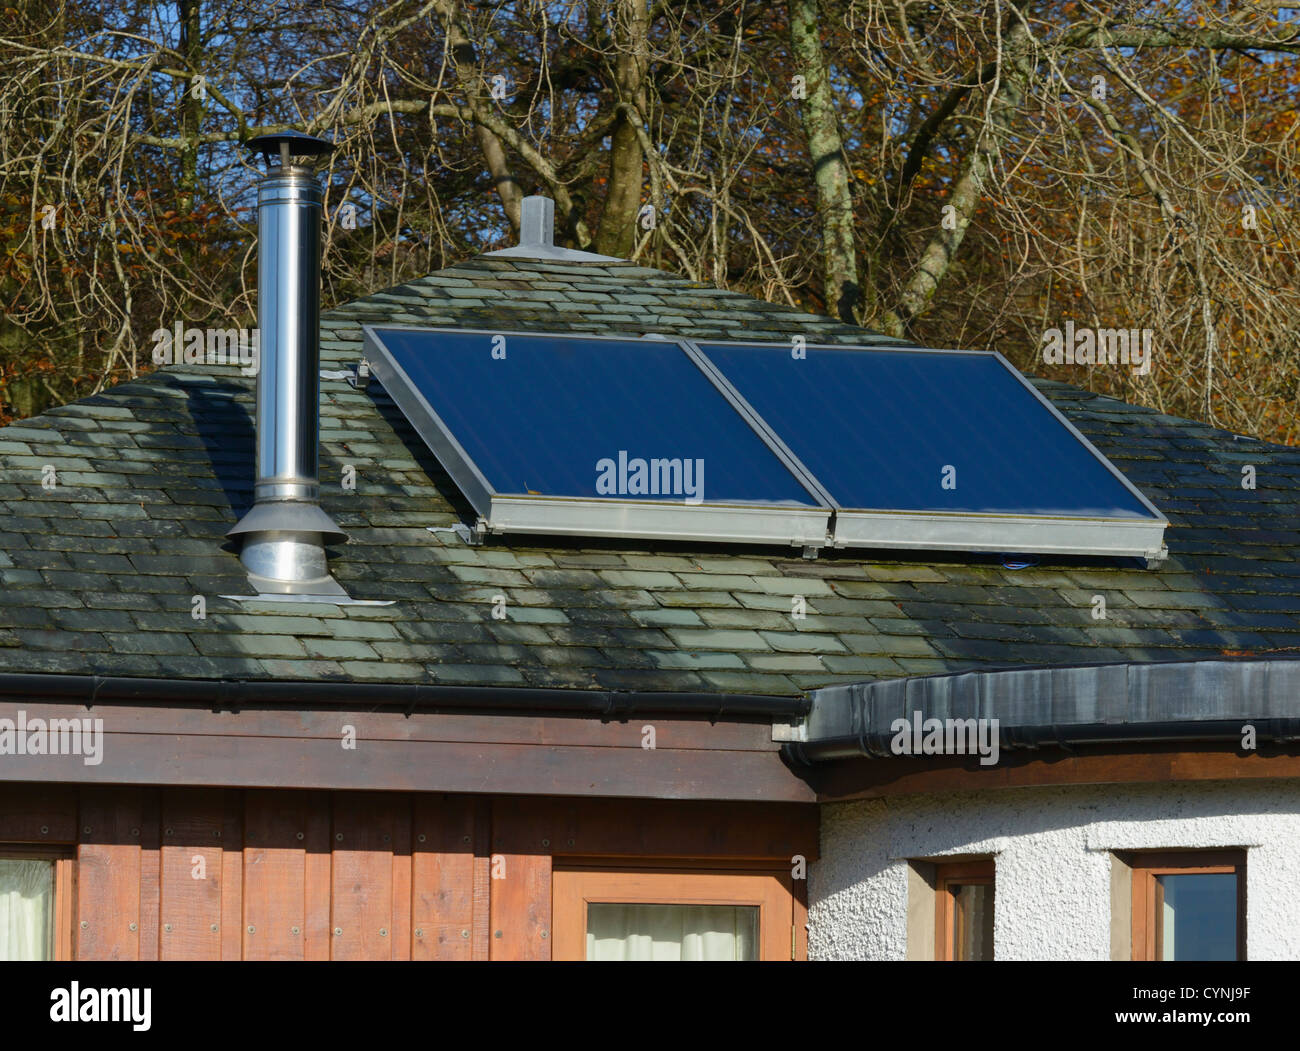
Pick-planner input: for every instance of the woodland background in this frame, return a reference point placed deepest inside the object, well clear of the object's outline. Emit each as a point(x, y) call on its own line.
point(1131, 165)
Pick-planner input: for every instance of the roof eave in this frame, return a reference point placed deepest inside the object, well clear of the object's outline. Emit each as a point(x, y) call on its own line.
point(236, 693)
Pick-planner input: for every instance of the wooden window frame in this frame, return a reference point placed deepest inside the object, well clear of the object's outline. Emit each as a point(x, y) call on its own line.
point(1147, 916)
point(658, 881)
point(64, 890)
point(981, 872)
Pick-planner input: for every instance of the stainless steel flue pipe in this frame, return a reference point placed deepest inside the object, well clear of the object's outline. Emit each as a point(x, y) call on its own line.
point(284, 535)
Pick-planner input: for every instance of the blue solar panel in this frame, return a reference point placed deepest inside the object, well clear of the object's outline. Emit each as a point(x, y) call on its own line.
point(601, 436)
point(571, 417)
point(924, 431)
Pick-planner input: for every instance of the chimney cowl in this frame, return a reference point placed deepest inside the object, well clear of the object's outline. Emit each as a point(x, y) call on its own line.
point(287, 145)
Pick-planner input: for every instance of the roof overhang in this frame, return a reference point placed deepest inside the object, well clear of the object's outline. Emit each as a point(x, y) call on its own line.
point(426, 737)
point(1200, 700)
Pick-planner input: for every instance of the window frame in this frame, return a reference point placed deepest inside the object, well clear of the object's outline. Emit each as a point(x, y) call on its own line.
point(649, 881)
point(982, 872)
point(1147, 916)
point(64, 890)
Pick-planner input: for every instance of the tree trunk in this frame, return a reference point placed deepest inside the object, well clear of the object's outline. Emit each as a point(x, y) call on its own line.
point(617, 233)
point(470, 81)
point(843, 288)
point(191, 106)
point(937, 258)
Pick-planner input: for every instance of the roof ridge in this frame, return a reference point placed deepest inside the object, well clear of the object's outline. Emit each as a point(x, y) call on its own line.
point(487, 262)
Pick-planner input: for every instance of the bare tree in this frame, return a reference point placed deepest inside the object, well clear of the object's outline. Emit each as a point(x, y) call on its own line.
point(972, 175)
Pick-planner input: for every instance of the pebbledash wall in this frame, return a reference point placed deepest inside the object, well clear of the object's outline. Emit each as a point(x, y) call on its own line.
point(1053, 862)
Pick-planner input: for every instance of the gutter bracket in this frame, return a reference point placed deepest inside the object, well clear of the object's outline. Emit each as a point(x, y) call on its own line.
point(360, 379)
point(793, 731)
point(1154, 559)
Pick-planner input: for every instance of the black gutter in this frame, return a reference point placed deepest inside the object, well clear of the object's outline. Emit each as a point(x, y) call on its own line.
point(1209, 731)
point(1206, 700)
point(248, 693)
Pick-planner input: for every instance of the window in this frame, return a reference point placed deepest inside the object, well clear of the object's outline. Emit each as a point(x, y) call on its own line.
point(673, 914)
point(963, 923)
point(35, 904)
point(1189, 905)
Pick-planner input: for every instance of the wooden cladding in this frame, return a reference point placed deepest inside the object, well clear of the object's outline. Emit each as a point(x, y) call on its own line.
point(211, 873)
point(546, 756)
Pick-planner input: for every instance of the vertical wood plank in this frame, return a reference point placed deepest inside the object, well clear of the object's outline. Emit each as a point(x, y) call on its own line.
point(442, 899)
point(108, 874)
point(481, 932)
point(521, 908)
point(150, 832)
point(319, 867)
point(193, 871)
point(521, 881)
point(232, 875)
point(400, 931)
point(274, 875)
point(362, 871)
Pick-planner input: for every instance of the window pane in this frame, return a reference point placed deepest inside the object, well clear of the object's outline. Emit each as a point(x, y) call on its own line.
point(26, 909)
point(972, 921)
point(1199, 919)
point(616, 931)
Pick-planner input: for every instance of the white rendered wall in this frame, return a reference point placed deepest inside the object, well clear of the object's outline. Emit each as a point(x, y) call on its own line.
point(1052, 848)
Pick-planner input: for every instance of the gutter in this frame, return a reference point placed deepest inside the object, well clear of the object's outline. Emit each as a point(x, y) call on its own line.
point(1211, 700)
point(247, 693)
point(1065, 738)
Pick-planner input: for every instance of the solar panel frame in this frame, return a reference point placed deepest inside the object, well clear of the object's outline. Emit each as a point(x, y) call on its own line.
point(964, 530)
point(806, 527)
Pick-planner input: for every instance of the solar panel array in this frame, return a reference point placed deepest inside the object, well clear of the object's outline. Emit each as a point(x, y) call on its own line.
point(813, 446)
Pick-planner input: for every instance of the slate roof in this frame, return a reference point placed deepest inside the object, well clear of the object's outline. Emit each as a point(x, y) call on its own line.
point(99, 573)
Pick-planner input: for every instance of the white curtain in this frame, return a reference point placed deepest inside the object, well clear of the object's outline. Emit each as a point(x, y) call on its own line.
point(26, 909)
point(671, 932)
